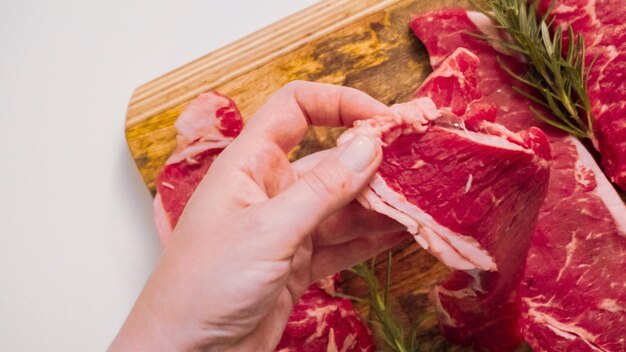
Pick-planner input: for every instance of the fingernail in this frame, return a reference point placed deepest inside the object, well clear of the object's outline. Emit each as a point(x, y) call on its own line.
point(359, 154)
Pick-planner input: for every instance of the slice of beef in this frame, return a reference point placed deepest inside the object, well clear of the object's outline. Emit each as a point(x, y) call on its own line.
point(573, 293)
point(601, 22)
point(319, 321)
point(322, 322)
point(469, 191)
point(204, 129)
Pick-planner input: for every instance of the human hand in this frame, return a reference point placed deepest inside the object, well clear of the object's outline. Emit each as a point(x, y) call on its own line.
point(259, 230)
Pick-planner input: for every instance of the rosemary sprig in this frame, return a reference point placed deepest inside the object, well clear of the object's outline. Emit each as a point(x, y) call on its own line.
point(391, 330)
point(557, 74)
point(422, 335)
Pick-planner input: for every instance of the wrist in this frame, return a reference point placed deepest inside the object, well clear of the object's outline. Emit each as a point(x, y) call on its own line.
point(148, 329)
point(142, 331)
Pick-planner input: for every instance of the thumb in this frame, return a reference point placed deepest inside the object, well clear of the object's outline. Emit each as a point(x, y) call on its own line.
point(329, 186)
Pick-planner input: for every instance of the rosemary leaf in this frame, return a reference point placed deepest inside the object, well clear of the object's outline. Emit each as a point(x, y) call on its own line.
point(557, 78)
point(390, 328)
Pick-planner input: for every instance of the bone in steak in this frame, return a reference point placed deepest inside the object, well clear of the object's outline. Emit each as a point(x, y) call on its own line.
point(319, 321)
point(573, 293)
point(601, 22)
point(469, 195)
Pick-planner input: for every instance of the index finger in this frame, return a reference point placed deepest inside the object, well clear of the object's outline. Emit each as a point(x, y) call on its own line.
point(286, 117)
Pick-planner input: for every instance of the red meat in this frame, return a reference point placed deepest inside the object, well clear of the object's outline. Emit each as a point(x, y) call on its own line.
point(204, 129)
point(323, 322)
point(573, 293)
point(601, 22)
point(469, 190)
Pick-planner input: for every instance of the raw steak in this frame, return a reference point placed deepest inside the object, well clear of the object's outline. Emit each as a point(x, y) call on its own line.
point(323, 322)
point(469, 191)
point(601, 22)
point(573, 292)
point(204, 129)
point(319, 321)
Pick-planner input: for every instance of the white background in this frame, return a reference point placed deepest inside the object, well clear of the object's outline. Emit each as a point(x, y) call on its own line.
point(77, 240)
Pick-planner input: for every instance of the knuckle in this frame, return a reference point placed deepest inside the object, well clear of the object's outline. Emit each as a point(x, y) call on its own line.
point(291, 89)
point(295, 85)
point(257, 222)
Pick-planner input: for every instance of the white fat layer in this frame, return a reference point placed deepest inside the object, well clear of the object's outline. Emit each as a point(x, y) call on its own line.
point(422, 242)
point(469, 247)
point(167, 185)
point(570, 248)
point(462, 293)
point(604, 190)
point(477, 284)
point(349, 343)
point(198, 120)
point(484, 24)
point(562, 8)
point(468, 185)
point(564, 334)
point(193, 150)
point(328, 284)
point(611, 305)
point(453, 249)
point(567, 331)
point(469, 291)
point(409, 118)
point(418, 164)
point(444, 251)
point(371, 200)
point(590, 9)
point(499, 130)
point(444, 316)
point(332, 345)
point(487, 139)
point(319, 313)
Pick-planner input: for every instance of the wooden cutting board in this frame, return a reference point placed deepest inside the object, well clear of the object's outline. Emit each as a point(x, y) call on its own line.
point(365, 44)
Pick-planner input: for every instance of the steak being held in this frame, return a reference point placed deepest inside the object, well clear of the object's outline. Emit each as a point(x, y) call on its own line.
point(469, 190)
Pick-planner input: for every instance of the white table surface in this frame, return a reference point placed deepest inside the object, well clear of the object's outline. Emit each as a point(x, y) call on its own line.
point(77, 240)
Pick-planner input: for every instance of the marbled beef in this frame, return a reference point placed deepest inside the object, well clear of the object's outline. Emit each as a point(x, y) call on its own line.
point(601, 23)
point(573, 293)
point(469, 190)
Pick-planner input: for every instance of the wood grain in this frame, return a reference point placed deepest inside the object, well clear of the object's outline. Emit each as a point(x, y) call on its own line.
point(363, 44)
